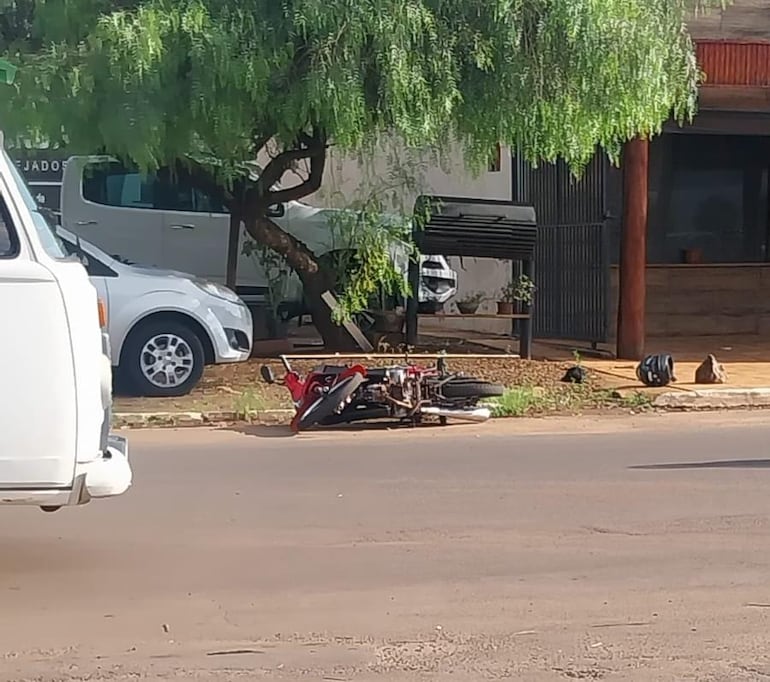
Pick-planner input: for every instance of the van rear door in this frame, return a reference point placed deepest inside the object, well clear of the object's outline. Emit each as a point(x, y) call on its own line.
point(38, 400)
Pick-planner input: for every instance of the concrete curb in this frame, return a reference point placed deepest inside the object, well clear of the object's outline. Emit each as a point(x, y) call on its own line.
point(145, 420)
point(714, 399)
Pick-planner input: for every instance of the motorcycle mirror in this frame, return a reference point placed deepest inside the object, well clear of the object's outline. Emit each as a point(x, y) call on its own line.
point(267, 374)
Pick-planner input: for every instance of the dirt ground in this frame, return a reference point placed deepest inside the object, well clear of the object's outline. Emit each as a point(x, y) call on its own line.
point(629, 549)
point(240, 387)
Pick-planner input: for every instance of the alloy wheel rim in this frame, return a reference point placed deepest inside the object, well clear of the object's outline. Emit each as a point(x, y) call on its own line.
point(166, 360)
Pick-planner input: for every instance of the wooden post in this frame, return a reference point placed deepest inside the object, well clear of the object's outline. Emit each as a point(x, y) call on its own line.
point(633, 251)
point(233, 242)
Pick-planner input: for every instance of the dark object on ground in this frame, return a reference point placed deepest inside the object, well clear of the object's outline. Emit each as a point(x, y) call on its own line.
point(575, 375)
point(710, 371)
point(656, 370)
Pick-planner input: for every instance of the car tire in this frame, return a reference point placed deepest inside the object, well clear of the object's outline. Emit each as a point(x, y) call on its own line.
point(171, 348)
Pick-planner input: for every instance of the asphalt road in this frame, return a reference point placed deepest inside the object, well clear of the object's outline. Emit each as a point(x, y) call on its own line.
point(618, 549)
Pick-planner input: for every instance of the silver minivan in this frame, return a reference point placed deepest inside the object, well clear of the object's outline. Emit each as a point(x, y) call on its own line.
point(151, 220)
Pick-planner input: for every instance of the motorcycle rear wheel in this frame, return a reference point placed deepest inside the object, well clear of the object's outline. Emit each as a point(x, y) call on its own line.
point(471, 388)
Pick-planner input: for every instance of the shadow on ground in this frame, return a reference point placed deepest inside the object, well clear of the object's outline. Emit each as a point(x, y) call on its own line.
point(726, 464)
point(283, 430)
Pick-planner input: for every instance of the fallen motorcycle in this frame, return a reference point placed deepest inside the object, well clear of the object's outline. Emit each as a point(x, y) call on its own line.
point(341, 394)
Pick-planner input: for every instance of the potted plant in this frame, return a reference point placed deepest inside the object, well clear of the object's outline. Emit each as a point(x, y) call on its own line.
point(469, 303)
point(521, 289)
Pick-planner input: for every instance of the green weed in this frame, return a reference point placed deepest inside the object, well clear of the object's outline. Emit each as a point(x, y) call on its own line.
point(249, 403)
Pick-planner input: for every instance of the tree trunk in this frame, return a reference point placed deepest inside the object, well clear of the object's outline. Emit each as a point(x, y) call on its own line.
point(335, 336)
point(633, 252)
point(314, 279)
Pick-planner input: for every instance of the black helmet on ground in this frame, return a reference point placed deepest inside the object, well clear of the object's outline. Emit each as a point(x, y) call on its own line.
point(656, 370)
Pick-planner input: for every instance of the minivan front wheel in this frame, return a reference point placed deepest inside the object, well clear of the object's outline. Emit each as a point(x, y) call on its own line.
point(163, 359)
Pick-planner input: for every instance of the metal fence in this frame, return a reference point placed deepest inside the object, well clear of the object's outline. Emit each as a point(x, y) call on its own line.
point(572, 276)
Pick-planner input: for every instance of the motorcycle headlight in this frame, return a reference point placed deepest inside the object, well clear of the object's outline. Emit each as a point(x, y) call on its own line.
point(218, 290)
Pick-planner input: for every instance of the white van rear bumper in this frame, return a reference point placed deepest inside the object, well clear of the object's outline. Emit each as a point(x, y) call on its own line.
point(110, 474)
point(107, 476)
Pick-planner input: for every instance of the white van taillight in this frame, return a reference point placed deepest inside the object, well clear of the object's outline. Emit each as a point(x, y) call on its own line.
point(102, 313)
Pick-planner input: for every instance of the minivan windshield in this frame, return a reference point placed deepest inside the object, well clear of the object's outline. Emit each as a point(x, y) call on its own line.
point(45, 230)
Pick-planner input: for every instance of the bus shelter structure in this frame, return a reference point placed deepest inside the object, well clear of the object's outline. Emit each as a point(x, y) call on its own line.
point(475, 228)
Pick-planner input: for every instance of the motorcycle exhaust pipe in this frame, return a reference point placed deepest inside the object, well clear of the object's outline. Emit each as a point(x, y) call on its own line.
point(477, 414)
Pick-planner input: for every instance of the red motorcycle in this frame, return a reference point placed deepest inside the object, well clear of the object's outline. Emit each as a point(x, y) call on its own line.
point(341, 394)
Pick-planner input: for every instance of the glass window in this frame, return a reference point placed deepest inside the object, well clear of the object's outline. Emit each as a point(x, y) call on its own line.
point(113, 185)
point(9, 243)
point(177, 195)
point(708, 199)
point(44, 226)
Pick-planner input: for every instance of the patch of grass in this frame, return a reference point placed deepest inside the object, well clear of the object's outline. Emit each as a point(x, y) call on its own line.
point(518, 401)
point(635, 401)
point(248, 403)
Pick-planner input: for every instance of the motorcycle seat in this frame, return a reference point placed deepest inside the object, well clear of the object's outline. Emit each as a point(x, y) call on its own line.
point(377, 373)
point(332, 369)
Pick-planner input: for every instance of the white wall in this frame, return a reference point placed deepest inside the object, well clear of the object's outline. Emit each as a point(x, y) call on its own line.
point(740, 20)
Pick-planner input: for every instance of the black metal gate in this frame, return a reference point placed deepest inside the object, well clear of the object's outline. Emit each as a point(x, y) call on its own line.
point(572, 261)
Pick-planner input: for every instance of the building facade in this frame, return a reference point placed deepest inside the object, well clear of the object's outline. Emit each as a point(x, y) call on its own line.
point(708, 227)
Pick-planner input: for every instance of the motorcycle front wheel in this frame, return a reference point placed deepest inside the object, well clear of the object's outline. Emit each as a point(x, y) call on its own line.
point(327, 403)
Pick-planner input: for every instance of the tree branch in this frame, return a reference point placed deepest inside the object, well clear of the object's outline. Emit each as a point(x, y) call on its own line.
point(278, 166)
point(313, 148)
point(309, 186)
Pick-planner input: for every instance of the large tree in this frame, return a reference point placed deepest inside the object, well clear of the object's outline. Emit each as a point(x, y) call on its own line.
point(204, 85)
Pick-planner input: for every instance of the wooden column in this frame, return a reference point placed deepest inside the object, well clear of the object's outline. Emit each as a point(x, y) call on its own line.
point(633, 251)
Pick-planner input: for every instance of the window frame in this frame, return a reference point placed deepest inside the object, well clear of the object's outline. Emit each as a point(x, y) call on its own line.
point(13, 234)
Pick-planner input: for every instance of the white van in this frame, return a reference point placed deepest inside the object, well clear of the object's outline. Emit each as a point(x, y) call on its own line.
point(56, 391)
point(152, 220)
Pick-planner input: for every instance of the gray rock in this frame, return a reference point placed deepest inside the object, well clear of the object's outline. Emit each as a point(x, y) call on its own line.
point(710, 371)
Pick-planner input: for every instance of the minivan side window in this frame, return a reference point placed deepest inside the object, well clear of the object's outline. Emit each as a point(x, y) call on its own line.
point(112, 185)
point(9, 240)
point(174, 194)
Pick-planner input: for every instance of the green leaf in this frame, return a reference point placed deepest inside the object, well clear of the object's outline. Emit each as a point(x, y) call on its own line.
point(7, 72)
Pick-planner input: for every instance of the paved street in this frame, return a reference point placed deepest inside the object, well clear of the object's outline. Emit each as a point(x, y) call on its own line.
point(622, 549)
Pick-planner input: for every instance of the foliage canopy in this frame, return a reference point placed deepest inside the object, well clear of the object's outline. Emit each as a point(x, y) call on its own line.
point(205, 85)
point(156, 80)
